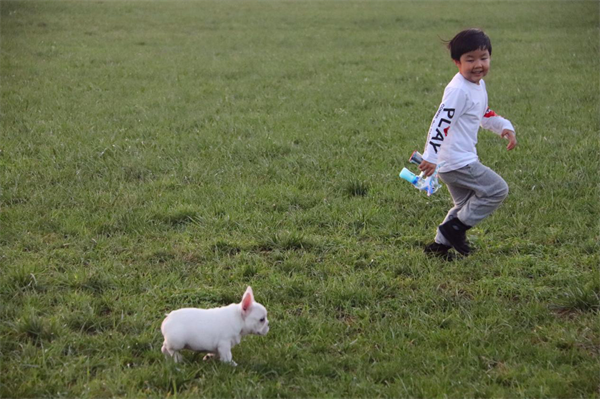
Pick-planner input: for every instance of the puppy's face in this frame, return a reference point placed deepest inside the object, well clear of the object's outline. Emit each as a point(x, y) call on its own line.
point(254, 315)
point(256, 320)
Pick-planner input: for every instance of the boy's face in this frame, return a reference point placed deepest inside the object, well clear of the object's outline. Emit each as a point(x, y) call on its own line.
point(474, 65)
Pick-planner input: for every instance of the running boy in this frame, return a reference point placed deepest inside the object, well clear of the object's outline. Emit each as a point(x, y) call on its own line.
point(476, 190)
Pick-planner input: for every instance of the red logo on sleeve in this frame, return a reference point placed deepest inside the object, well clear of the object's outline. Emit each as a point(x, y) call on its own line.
point(489, 113)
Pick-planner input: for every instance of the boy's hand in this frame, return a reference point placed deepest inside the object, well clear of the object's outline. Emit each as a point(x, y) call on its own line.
point(427, 167)
point(511, 137)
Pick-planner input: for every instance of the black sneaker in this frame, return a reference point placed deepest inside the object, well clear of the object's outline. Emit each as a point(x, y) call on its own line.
point(455, 232)
point(439, 250)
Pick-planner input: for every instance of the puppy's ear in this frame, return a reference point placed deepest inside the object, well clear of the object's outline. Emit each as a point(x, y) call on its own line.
point(247, 299)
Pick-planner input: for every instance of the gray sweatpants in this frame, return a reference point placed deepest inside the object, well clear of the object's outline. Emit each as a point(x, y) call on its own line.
point(476, 190)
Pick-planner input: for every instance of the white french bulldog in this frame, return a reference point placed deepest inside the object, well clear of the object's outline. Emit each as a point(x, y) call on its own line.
point(214, 330)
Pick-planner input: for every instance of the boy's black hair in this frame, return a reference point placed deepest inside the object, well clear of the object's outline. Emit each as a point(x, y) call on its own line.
point(468, 40)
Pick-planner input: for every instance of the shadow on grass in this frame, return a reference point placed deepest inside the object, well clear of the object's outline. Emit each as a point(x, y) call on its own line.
point(579, 299)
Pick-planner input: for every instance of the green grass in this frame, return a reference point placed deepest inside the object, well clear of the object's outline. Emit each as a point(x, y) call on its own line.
point(163, 154)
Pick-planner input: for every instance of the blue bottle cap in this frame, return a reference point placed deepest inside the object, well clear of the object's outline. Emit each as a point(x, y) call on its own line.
point(409, 176)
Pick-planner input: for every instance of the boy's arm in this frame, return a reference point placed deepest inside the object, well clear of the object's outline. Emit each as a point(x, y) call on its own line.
point(495, 123)
point(453, 104)
point(501, 126)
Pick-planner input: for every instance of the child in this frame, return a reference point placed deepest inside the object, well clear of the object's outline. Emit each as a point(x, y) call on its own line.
point(476, 190)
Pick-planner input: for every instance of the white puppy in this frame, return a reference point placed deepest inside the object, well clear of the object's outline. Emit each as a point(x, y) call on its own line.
point(214, 330)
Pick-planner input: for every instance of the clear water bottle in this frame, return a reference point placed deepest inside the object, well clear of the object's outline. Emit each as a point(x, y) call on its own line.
point(428, 184)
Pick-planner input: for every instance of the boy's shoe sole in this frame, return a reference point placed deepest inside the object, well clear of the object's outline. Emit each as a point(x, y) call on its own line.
point(439, 251)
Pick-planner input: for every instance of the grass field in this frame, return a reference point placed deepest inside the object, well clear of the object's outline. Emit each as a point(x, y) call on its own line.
point(163, 154)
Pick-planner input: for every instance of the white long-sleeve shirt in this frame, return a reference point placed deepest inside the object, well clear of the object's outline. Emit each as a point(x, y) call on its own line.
point(453, 133)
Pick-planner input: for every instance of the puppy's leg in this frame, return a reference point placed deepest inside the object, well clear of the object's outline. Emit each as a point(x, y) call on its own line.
point(209, 356)
point(225, 354)
point(177, 357)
